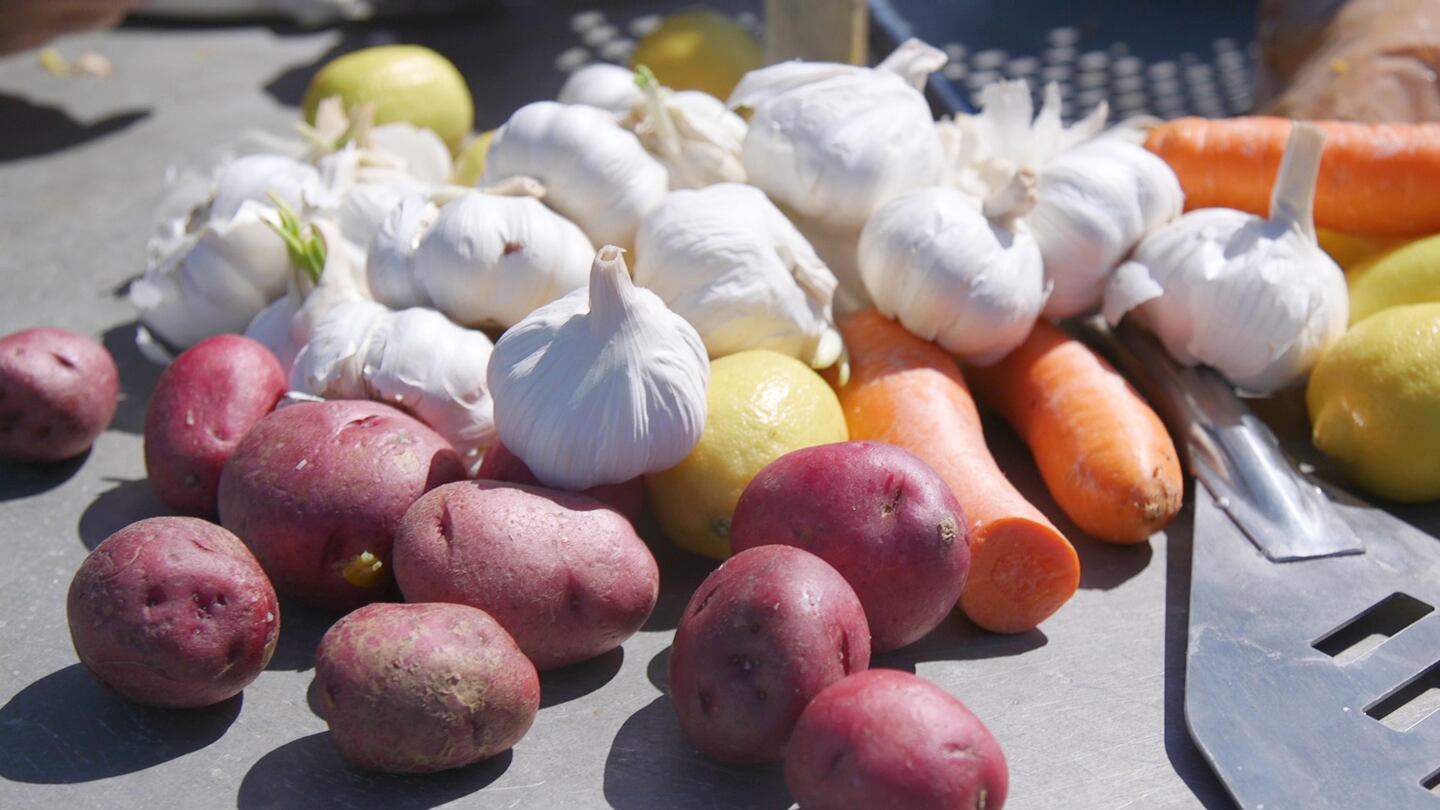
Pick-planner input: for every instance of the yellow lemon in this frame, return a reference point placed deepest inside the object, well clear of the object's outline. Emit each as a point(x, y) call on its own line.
point(699, 50)
point(1349, 250)
point(405, 83)
point(1374, 402)
point(471, 163)
point(761, 405)
point(1409, 274)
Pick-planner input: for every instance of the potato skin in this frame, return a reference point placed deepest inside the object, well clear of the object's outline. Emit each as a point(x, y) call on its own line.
point(423, 687)
point(314, 485)
point(763, 635)
point(882, 517)
point(627, 498)
point(58, 393)
point(564, 574)
point(173, 612)
point(204, 403)
point(888, 740)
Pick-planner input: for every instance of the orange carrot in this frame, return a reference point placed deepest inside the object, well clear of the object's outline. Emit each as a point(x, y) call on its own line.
point(909, 392)
point(1375, 179)
point(1104, 454)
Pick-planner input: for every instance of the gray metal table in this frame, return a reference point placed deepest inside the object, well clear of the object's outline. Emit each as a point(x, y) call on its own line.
point(1088, 708)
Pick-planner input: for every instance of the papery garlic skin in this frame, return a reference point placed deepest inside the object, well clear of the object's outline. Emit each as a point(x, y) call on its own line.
point(390, 260)
point(285, 326)
point(415, 360)
point(1256, 299)
point(215, 280)
point(489, 260)
point(834, 142)
point(694, 135)
point(602, 385)
point(1094, 203)
point(364, 207)
point(839, 248)
point(974, 284)
point(253, 178)
point(728, 261)
point(607, 87)
point(596, 173)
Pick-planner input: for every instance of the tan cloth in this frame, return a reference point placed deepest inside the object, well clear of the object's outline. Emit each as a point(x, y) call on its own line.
point(1373, 60)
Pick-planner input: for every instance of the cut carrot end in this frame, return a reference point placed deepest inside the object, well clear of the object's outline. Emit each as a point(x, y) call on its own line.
point(1021, 572)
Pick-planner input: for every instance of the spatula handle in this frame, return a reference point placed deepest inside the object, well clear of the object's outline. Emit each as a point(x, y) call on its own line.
point(1232, 452)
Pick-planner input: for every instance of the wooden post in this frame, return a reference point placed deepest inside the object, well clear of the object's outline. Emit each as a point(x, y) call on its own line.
point(817, 30)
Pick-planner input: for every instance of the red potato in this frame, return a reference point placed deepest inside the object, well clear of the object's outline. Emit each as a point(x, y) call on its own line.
point(564, 574)
point(888, 740)
point(317, 490)
point(204, 403)
point(423, 688)
point(627, 498)
point(58, 393)
point(763, 635)
point(173, 612)
point(882, 517)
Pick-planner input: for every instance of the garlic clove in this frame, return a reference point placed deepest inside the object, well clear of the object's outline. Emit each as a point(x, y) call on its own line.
point(607, 87)
point(596, 173)
point(602, 385)
point(390, 261)
point(422, 155)
point(834, 142)
point(253, 178)
point(728, 261)
point(932, 260)
point(489, 260)
point(1095, 202)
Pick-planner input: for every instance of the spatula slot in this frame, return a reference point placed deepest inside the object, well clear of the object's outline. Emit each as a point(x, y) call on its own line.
point(1412, 702)
point(1369, 630)
point(1432, 783)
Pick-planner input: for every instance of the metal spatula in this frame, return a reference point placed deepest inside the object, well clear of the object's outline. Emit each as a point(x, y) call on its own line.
point(1312, 667)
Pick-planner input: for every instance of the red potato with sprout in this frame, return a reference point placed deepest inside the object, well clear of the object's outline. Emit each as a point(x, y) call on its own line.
point(888, 739)
point(882, 517)
point(627, 498)
point(173, 612)
point(420, 688)
point(203, 405)
point(58, 392)
point(317, 490)
point(762, 636)
point(564, 574)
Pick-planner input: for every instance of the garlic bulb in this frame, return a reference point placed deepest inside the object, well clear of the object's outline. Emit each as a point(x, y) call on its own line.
point(693, 134)
point(967, 276)
point(390, 261)
point(253, 178)
point(215, 280)
point(415, 360)
point(602, 385)
point(609, 87)
point(834, 142)
point(364, 207)
point(1094, 203)
point(596, 174)
point(483, 259)
point(1254, 298)
point(285, 326)
point(725, 259)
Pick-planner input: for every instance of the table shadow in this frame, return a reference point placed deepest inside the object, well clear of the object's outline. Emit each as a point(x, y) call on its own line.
point(24, 480)
point(66, 728)
point(33, 130)
point(1184, 755)
point(301, 628)
point(137, 378)
point(565, 684)
point(652, 765)
point(309, 773)
point(125, 502)
point(959, 639)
